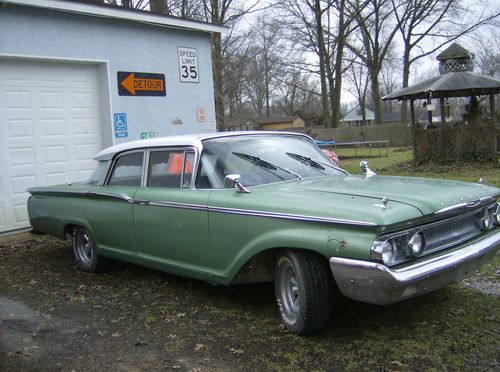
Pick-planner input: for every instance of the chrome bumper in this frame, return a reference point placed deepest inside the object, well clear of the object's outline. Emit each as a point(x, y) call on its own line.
point(377, 284)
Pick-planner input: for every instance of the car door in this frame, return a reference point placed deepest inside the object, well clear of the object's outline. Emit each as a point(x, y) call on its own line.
point(171, 218)
point(112, 220)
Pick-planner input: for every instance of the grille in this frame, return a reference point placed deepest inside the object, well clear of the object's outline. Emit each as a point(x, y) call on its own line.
point(439, 235)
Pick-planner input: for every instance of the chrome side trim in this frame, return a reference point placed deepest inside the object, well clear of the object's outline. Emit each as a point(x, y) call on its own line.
point(197, 207)
point(469, 204)
point(377, 284)
point(110, 195)
point(245, 212)
point(82, 193)
point(286, 216)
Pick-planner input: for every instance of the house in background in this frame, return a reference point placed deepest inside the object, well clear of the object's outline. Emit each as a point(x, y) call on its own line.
point(281, 122)
point(354, 118)
point(233, 124)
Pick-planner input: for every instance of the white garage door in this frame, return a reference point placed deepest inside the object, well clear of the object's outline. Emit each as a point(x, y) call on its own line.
point(50, 129)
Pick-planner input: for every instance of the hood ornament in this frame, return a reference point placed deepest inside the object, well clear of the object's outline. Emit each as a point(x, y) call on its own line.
point(363, 165)
point(482, 181)
point(385, 201)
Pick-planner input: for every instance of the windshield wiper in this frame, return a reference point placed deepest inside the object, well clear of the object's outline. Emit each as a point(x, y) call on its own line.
point(305, 160)
point(265, 164)
point(319, 165)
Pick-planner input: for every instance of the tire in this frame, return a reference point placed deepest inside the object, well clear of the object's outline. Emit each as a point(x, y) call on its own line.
point(303, 286)
point(85, 252)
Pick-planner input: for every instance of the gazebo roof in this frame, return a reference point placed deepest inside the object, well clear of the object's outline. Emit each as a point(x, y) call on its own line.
point(455, 50)
point(451, 84)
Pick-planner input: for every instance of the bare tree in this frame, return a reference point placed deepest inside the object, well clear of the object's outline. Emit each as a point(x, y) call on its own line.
point(390, 75)
point(236, 58)
point(130, 4)
point(359, 77)
point(487, 55)
point(297, 93)
point(224, 13)
point(306, 19)
point(373, 40)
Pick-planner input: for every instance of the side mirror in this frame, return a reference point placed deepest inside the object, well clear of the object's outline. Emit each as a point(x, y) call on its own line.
point(233, 181)
point(363, 166)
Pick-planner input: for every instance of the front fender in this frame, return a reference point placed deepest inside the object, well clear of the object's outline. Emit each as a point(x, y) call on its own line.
point(232, 248)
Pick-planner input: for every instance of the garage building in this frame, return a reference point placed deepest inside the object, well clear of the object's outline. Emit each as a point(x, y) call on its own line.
point(77, 77)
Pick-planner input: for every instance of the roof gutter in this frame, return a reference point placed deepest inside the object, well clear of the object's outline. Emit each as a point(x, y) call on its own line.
point(117, 13)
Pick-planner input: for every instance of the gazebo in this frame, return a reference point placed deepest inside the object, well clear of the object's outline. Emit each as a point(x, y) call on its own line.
point(472, 137)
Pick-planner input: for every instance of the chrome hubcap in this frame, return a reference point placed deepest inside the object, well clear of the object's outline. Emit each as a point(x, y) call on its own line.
point(290, 292)
point(83, 247)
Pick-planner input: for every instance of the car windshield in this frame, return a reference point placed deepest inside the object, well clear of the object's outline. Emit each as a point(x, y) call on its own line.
point(97, 176)
point(261, 159)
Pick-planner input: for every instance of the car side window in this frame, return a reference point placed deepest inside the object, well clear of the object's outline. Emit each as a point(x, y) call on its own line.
point(127, 170)
point(170, 168)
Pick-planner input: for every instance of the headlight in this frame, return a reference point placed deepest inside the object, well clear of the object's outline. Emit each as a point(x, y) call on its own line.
point(383, 251)
point(416, 244)
point(496, 214)
point(486, 221)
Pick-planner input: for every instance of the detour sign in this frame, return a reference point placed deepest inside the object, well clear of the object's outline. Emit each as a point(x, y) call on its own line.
point(141, 84)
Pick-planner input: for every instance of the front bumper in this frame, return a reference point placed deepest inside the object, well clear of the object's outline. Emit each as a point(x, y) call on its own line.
point(377, 284)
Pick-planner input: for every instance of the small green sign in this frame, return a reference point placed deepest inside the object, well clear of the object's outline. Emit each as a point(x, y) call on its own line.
point(146, 135)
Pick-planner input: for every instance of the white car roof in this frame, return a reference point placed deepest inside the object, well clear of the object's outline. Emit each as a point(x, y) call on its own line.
point(180, 140)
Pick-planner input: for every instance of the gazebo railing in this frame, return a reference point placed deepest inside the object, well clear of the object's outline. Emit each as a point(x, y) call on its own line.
point(477, 143)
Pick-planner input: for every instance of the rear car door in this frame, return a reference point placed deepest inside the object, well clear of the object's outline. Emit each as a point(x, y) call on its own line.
point(112, 222)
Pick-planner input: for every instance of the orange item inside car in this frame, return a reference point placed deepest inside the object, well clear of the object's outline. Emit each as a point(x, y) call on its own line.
point(176, 162)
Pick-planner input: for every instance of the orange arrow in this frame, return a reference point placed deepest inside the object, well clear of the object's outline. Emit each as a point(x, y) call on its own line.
point(132, 84)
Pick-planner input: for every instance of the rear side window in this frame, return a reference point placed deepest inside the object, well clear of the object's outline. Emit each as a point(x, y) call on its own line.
point(170, 168)
point(127, 170)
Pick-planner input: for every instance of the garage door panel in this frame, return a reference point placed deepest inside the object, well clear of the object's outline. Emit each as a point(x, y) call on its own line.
point(83, 78)
point(18, 100)
point(83, 174)
point(53, 127)
point(86, 151)
point(51, 101)
point(56, 178)
point(21, 156)
point(49, 130)
point(15, 73)
point(21, 213)
point(56, 154)
point(2, 218)
point(85, 127)
point(19, 128)
point(21, 183)
point(83, 101)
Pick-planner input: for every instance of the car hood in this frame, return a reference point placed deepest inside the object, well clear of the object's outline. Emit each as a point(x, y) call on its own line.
point(426, 195)
point(357, 198)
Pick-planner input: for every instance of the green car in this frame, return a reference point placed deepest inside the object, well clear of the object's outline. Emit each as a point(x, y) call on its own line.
point(250, 207)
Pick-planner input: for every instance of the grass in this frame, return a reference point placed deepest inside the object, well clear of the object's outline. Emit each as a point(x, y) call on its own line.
point(399, 163)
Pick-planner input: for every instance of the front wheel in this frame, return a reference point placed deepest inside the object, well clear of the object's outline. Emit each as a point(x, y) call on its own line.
point(303, 286)
point(85, 251)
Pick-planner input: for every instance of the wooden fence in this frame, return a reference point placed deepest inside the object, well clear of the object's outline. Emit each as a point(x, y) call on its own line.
point(396, 134)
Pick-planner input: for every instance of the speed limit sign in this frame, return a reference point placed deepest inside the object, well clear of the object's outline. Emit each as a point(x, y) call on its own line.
point(188, 65)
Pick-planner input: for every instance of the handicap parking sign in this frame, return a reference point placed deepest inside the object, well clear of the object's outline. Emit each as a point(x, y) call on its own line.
point(121, 129)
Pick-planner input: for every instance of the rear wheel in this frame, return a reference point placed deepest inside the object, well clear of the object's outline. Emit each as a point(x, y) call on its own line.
point(304, 291)
point(85, 252)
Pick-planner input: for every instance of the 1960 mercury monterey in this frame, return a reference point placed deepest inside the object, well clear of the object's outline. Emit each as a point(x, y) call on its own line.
point(265, 206)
